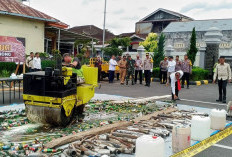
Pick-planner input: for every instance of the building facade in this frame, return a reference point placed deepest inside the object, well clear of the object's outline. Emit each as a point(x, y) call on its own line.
point(178, 36)
point(31, 30)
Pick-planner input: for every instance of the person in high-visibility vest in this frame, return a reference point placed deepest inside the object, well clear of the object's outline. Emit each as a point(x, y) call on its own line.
point(76, 66)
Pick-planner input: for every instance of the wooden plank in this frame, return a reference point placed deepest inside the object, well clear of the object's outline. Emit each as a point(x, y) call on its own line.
point(105, 129)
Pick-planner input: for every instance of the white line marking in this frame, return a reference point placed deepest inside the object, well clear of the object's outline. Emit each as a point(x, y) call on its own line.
point(222, 146)
point(203, 102)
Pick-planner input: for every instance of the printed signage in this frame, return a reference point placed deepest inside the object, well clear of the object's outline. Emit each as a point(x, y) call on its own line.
point(12, 49)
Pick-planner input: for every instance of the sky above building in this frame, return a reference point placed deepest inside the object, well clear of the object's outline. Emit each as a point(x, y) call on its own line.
point(123, 14)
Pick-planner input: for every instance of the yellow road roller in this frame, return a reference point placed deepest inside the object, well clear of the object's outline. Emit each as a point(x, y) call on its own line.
point(54, 97)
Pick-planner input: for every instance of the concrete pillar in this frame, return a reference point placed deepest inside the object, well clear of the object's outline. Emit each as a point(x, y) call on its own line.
point(168, 51)
point(212, 39)
point(140, 51)
point(202, 57)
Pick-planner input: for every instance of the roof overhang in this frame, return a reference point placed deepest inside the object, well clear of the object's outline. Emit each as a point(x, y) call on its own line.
point(67, 36)
point(26, 16)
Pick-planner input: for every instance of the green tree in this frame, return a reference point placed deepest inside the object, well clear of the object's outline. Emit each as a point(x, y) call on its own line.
point(192, 52)
point(115, 43)
point(151, 42)
point(159, 55)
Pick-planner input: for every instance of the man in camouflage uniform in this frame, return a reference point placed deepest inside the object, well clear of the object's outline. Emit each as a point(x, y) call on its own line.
point(130, 70)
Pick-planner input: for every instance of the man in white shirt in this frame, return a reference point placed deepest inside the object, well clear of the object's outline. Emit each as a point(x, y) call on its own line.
point(29, 62)
point(37, 62)
point(112, 65)
point(175, 84)
point(171, 68)
point(223, 74)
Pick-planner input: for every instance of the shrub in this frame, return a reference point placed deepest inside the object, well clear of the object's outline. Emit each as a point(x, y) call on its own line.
point(5, 73)
point(199, 74)
point(8, 66)
point(47, 63)
point(156, 72)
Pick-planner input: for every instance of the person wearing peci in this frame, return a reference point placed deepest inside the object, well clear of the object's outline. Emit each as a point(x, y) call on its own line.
point(171, 68)
point(37, 62)
point(186, 67)
point(163, 70)
point(148, 68)
point(138, 69)
point(118, 59)
point(112, 66)
point(122, 65)
point(175, 84)
point(223, 74)
point(29, 62)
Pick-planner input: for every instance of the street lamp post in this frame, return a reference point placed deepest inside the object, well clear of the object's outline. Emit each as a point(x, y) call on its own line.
point(104, 30)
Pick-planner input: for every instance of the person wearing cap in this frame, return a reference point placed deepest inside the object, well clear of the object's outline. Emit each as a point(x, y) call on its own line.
point(122, 65)
point(175, 84)
point(138, 69)
point(76, 67)
point(163, 70)
point(223, 75)
point(148, 68)
point(112, 66)
point(186, 67)
point(171, 68)
point(130, 67)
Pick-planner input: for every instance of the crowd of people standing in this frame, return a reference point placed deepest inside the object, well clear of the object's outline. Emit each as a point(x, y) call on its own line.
point(130, 69)
point(169, 66)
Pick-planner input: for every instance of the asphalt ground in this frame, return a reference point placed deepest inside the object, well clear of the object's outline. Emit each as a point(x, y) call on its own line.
point(200, 96)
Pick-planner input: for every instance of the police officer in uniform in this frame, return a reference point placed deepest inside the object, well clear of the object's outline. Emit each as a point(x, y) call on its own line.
point(148, 68)
point(130, 70)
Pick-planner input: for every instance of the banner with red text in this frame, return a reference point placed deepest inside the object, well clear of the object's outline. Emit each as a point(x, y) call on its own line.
point(12, 49)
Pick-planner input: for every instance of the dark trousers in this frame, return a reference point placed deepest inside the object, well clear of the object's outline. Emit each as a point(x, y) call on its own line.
point(163, 76)
point(222, 89)
point(111, 76)
point(30, 69)
point(176, 90)
point(147, 74)
point(140, 76)
point(36, 70)
point(117, 76)
point(185, 77)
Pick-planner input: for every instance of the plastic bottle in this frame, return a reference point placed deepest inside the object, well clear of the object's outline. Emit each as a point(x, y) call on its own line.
point(180, 138)
point(149, 146)
point(200, 128)
point(218, 119)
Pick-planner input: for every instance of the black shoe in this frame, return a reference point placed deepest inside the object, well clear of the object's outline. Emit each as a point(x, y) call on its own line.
point(145, 85)
point(224, 101)
point(219, 100)
point(188, 87)
point(141, 83)
point(182, 86)
point(148, 85)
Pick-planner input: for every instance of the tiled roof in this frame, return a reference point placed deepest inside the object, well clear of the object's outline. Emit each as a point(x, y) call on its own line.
point(143, 36)
point(15, 8)
point(93, 31)
point(200, 25)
